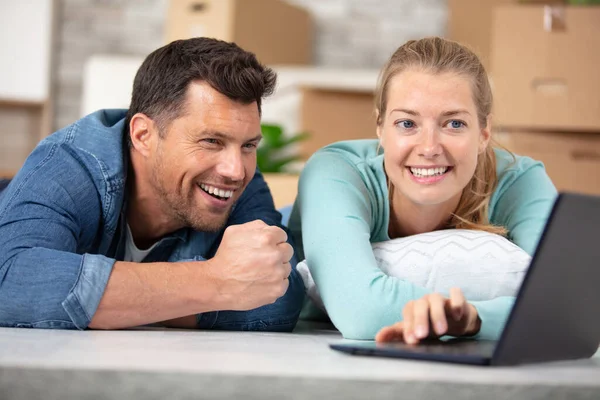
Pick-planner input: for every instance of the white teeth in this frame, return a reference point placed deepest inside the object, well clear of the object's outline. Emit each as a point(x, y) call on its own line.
point(215, 191)
point(426, 172)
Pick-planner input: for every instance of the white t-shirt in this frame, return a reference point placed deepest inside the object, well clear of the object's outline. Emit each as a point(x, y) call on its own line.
point(132, 253)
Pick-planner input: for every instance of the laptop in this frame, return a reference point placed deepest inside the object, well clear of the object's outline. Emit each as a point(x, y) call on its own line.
point(556, 314)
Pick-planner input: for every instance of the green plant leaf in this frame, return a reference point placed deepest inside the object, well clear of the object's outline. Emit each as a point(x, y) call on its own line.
point(263, 159)
point(269, 156)
point(277, 165)
point(272, 134)
point(294, 139)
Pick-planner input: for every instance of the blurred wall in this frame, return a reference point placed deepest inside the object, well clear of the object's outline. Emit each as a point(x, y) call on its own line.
point(348, 33)
point(363, 33)
point(87, 27)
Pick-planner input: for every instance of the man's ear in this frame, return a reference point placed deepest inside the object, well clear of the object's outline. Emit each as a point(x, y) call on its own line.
point(486, 135)
point(143, 133)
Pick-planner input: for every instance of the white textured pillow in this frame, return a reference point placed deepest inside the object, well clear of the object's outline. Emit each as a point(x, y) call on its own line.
point(483, 265)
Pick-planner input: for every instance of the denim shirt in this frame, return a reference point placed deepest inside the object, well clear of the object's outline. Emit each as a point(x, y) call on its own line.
point(62, 229)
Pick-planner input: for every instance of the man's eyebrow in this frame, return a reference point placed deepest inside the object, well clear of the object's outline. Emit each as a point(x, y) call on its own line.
point(213, 133)
point(256, 138)
point(222, 135)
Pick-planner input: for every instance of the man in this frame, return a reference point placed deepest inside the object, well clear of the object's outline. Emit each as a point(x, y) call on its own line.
point(171, 182)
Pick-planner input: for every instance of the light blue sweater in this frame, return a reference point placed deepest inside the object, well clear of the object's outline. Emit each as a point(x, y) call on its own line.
point(342, 207)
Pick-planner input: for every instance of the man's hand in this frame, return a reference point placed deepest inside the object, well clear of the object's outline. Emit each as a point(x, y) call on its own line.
point(433, 316)
point(252, 265)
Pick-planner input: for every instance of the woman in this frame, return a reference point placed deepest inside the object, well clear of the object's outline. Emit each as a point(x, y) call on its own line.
point(437, 171)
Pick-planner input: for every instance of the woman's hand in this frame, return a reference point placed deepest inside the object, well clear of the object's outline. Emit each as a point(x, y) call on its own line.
point(433, 315)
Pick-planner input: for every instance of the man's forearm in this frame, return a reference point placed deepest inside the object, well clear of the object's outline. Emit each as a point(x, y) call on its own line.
point(281, 315)
point(144, 293)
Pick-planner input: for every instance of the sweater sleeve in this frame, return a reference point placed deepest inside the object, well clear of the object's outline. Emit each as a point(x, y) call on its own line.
point(523, 205)
point(336, 213)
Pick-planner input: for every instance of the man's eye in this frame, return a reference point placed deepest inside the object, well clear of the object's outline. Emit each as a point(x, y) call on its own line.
point(210, 141)
point(250, 145)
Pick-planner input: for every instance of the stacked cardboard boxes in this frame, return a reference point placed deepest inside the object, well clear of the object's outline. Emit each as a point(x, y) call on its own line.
point(331, 115)
point(276, 31)
point(543, 59)
point(469, 23)
point(544, 67)
point(330, 104)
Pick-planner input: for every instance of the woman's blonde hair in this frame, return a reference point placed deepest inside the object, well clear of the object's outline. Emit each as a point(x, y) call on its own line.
point(437, 55)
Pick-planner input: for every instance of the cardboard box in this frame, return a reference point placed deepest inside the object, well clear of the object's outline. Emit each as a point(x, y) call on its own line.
point(469, 23)
point(545, 63)
point(549, 2)
point(23, 124)
point(276, 31)
point(330, 115)
point(284, 188)
point(572, 160)
point(7, 174)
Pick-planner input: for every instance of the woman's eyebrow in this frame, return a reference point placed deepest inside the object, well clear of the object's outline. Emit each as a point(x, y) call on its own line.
point(404, 110)
point(455, 112)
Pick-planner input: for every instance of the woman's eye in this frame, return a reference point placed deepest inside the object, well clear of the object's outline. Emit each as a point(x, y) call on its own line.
point(455, 124)
point(406, 124)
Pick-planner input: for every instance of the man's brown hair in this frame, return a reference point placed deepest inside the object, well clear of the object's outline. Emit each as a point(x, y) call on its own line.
point(160, 85)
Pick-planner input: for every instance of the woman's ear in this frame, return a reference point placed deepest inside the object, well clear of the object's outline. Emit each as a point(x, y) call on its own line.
point(485, 135)
point(380, 136)
point(379, 129)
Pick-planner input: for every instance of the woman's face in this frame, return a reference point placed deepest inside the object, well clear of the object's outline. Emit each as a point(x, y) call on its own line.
point(431, 136)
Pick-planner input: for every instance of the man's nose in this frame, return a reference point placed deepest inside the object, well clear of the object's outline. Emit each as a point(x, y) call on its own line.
point(231, 165)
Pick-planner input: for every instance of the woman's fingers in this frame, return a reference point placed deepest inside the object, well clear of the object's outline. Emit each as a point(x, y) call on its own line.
point(392, 333)
point(420, 314)
point(421, 318)
point(437, 314)
point(408, 320)
point(432, 315)
point(458, 304)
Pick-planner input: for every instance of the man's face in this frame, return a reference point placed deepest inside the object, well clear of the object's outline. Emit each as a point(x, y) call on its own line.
point(206, 158)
